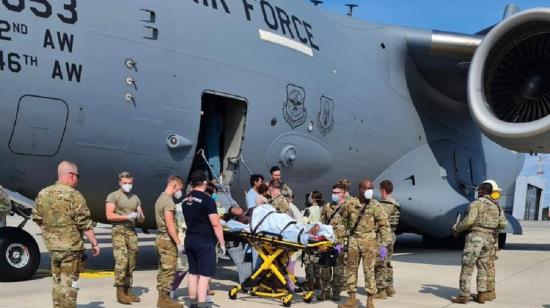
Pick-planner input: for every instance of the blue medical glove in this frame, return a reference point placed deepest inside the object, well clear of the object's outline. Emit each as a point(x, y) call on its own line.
point(383, 252)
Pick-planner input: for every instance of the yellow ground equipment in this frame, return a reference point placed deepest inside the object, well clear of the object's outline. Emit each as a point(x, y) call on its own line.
point(271, 279)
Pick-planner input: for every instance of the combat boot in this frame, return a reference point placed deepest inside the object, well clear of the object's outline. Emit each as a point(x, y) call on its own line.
point(390, 291)
point(481, 297)
point(460, 300)
point(350, 303)
point(336, 295)
point(491, 295)
point(133, 298)
point(323, 295)
point(121, 296)
point(381, 294)
point(370, 301)
point(164, 301)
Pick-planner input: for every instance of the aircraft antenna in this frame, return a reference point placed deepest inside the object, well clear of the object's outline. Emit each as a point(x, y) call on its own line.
point(316, 2)
point(351, 6)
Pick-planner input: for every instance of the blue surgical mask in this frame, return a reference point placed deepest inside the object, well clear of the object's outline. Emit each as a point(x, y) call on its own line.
point(215, 196)
point(335, 198)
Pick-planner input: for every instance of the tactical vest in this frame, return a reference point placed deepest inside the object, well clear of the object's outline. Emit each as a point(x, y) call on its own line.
point(488, 215)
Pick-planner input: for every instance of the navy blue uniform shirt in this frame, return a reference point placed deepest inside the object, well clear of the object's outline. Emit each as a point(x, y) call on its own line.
point(196, 207)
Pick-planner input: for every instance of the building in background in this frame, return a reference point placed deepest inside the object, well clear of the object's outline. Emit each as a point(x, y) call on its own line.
point(528, 198)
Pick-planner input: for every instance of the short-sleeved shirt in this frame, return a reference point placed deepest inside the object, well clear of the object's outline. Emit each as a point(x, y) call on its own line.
point(63, 214)
point(196, 207)
point(124, 205)
point(251, 196)
point(165, 203)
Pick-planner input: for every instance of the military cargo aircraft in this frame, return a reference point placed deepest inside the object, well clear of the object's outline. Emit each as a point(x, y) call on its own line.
point(145, 86)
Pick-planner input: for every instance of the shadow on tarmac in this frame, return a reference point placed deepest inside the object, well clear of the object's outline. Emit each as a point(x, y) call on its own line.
point(439, 290)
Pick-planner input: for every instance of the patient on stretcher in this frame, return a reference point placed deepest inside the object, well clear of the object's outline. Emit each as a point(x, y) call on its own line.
point(266, 219)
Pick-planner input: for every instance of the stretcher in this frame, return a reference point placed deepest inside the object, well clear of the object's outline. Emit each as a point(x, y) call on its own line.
point(271, 279)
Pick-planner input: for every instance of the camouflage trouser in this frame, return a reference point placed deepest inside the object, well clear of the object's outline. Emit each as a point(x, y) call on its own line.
point(65, 274)
point(477, 249)
point(383, 269)
point(364, 250)
point(332, 277)
point(125, 251)
point(167, 253)
point(313, 270)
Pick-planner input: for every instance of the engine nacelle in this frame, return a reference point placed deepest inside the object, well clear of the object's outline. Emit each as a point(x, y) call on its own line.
point(509, 82)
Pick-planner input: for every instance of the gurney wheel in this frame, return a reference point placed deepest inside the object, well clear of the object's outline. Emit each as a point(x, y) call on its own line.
point(287, 300)
point(308, 298)
point(233, 293)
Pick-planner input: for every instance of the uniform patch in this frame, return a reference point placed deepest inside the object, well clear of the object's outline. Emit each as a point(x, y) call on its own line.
point(294, 110)
point(325, 117)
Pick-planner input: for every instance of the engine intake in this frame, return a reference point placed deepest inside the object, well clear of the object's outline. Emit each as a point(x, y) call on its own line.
point(509, 82)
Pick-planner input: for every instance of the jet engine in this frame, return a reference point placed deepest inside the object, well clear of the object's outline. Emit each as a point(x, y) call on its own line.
point(509, 82)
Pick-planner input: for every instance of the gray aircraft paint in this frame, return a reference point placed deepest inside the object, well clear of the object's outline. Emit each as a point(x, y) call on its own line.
point(388, 120)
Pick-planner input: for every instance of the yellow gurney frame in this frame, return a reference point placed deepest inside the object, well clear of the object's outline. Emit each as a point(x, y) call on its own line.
point(275, 252)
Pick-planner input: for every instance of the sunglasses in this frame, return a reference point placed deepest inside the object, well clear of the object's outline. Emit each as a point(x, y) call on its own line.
point(75, 174)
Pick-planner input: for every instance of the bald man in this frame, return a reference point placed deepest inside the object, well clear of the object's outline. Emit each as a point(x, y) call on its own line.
point(61, 212)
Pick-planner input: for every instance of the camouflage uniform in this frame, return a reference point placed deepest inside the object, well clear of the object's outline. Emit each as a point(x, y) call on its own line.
point(333, 277)
point(5, 206)
point(483, 219)
point(363, 244)
point(383, 269)
point(167, 250)
point(62, 213)
point(125, 239)
point(280, 203)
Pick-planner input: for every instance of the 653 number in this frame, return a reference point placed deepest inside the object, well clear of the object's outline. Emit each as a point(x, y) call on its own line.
point(43, 9)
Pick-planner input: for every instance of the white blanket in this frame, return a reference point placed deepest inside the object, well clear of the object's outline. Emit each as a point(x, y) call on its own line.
point(276, 222)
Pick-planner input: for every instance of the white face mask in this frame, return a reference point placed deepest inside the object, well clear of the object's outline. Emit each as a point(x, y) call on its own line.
point(178, 194)
point(368, 194)
point(127, 188)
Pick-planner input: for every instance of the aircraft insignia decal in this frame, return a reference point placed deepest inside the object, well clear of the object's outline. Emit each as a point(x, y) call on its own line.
point(294, 110)
point(325, 117)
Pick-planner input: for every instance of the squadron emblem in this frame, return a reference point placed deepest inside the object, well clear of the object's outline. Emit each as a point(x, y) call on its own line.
point(325, 117)
point(294, 110)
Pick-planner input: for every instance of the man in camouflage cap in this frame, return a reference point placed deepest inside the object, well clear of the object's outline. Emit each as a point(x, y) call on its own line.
point(167, 243)
point(123, 209)
point(368, 237)
point(483, 219)
point(332, 277)
point(62, 214)
point(383, 269)
point(5, 206)
point(278, 200)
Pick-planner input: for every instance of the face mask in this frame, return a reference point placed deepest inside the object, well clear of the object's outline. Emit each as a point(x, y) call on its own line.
point(215, 196)
point(178, 194)
point(127, 188)
point(495, 195)
point(335, 199)
point(476, 194)
point(368, 194)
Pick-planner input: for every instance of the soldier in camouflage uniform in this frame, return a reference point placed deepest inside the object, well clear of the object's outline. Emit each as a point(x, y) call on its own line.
point(366, 242)
point(483, 219)
point(276, 176)
point(63, 216)
point(332, 277)
point(123, 209)
point(491, 272)
point(167, 243)
point(383, 269)
point(5, 206)
point(278, 200)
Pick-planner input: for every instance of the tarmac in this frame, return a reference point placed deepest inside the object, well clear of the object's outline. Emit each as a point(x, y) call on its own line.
point(423, 277)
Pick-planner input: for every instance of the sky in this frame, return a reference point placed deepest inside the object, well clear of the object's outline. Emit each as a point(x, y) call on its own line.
point(465, 16)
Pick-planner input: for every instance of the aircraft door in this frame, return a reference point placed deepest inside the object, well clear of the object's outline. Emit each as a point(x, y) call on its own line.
point(39, 126)
point(221, 135)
